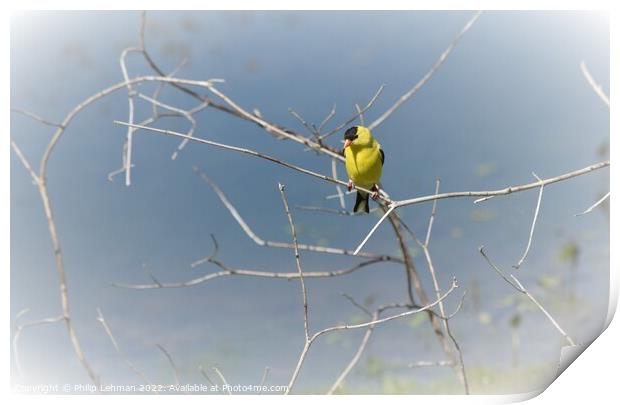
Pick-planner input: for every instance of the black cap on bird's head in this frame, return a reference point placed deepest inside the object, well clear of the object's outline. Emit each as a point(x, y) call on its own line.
point(349, 136)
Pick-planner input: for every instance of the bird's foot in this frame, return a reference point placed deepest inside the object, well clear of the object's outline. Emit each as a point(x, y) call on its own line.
point(350, 185)
point(375, 192)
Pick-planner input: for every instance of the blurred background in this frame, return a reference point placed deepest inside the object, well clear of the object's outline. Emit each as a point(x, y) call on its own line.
point(510, 99)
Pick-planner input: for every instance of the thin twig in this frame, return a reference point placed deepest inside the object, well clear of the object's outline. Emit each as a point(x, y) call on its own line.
point(172, 364)
point(361, 114)
point(596, 204)
point(356, 357)
point(160, 85)
point(360, 325)
point(245, 151)
point(262, 242)
point(335, 211)
point(529, 241)
point(427, 76)
point(18, 331)
point(130, 98)
point(329, 116)
point(304, 293)
point(595, 86)
point(498, 271)
point(441, 363)
point(36, 118)
point(108, 331)
point(273, 129)
point(338, 189)
point(227, 271)
point(357, 304)
point(303, 122)
point(354, 117)
point(205, 375)
point(544, 311)
point(184, 113)
point(505, 191)
point(224, 382)
point(431, 268)
point(332, 196)
point(516, 284)
point(22, 158)
point(374, 228)
point(264, 377)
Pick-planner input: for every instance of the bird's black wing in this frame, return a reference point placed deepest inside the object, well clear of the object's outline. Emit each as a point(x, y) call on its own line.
point(382, 156)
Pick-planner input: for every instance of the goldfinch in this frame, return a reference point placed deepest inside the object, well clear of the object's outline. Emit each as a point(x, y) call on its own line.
point(364, 162)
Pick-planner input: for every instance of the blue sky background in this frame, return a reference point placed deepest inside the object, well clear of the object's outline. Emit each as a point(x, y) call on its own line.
point(510, 99)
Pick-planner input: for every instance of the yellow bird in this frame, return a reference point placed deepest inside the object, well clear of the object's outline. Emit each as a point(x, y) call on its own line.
point(364, 162)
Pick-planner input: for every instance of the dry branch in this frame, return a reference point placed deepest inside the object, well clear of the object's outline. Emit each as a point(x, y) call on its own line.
point(536, 210)
point(395, 204)
point(427, 76)
point(175, 369)
point(598, 89)
point(129, 363)
point(361, 325)
point(596, 204)
point(516, 284)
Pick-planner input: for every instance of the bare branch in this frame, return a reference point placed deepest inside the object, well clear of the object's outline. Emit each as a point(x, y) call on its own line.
point(504, 191)
point(22, 158)
point(303, 121)
point(18, 331)
point(360, 325)
point(108, 331)
point(361, 114)
point(479, 200)
point(304, 293)
point(374, 228)
point(184, 113)
point(177, 380)
point(516, 284)
point(264, 377)
point(529, 241)
point(273, 129)
point(446, 325)
point(332, 196)
point(36, 118)
point(160, 85)
point(354, 117)
point(544, 311)
point(261, 242)
point(247, 152)
point(498, 271)
point(205, 375)
point(130, 98)
point(508, 190)
point(442, 363)
point(427, 240)
point(356, 357)
point(357, 304)
point(596, 204)
point(338, 189)
point(219, 373)
point(595, 86)
point(389, 318)
point(333, 210)
point(226, 271)
point(428, 75)
point(327, 118)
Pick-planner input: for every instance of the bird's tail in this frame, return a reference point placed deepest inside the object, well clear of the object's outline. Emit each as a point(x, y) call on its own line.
point(361, 202)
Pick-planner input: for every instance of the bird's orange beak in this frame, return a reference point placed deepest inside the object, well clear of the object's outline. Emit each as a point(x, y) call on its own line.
point(347, 143)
